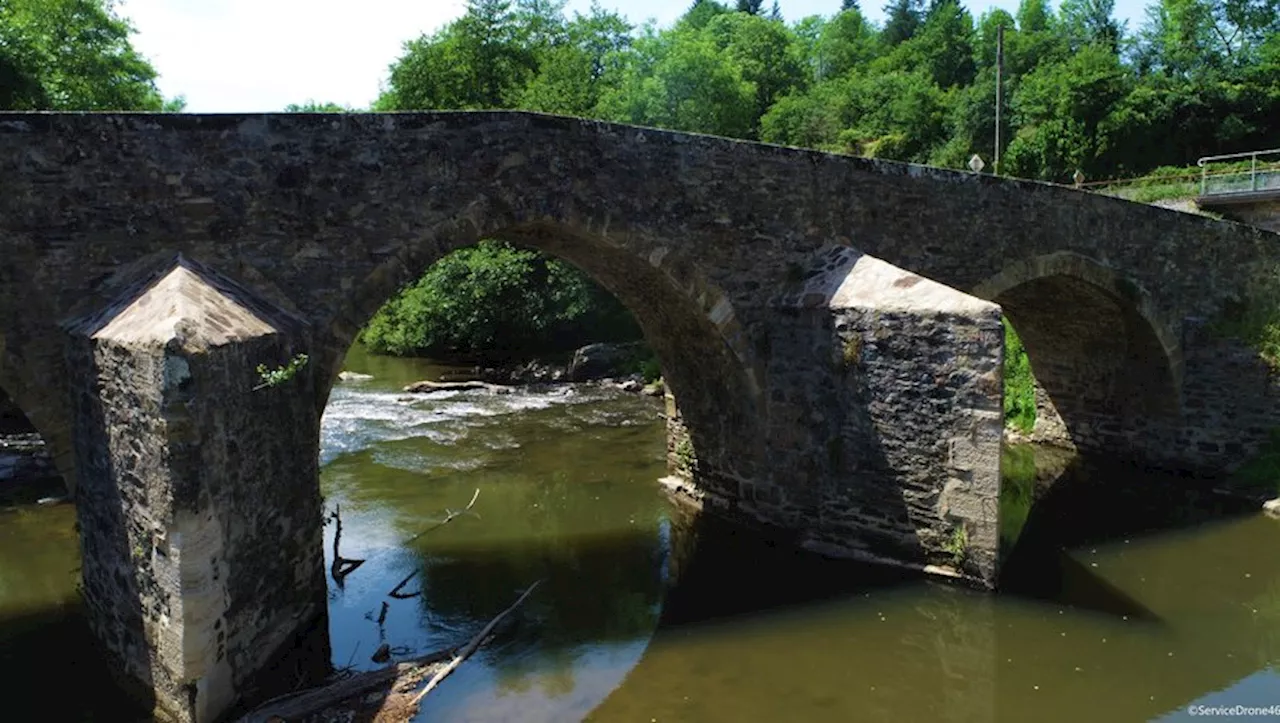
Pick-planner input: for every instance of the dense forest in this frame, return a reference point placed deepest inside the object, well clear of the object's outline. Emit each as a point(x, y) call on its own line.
point(1081, 91)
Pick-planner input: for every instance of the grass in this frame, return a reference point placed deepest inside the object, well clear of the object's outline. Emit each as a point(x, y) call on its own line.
point(1167, 182)
point(1019, 384)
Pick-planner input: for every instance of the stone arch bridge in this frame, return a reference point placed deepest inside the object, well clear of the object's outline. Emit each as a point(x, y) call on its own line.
point(830, 327)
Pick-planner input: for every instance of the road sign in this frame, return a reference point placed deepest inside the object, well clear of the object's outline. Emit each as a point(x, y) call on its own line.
point(975, 164)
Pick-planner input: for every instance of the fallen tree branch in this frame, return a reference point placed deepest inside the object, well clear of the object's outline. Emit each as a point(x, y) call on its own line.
point(296, 706)
point(428, 387)
point(471, 646)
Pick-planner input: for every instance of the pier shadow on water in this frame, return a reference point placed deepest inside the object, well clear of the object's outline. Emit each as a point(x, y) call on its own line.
point(1055, 503)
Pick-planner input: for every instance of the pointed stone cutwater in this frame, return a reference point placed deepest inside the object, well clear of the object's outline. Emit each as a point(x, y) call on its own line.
point(197, 495)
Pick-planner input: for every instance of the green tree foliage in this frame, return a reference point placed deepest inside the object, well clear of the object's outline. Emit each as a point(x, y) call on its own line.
point(902, 19)
point(1080, 91)
point(497, 301)
point(72, 55)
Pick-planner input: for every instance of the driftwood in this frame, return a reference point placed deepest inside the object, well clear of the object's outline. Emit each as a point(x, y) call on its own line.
point(428, 387)
point(471, 647)
point(297, 706)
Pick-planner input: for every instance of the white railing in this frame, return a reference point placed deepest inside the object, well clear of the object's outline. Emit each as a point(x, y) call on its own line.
point(1261, 175)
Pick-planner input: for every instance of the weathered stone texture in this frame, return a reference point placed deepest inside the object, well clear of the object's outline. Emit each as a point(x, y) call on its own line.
point(197, 500)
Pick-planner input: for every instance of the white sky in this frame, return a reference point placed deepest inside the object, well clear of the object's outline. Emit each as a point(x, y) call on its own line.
point(261, 55)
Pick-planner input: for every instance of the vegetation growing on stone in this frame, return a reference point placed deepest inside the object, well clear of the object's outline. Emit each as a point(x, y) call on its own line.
point(1255, 322)
point(684, 453)
point(1019, 384)
point(270, 377)
point(957, 545)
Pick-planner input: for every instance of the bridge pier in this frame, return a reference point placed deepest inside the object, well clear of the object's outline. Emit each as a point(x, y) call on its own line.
point(197, 495)
point(884, 420)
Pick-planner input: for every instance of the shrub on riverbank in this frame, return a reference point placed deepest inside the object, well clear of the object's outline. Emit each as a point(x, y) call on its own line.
point(497, 301)
point(1019, 384)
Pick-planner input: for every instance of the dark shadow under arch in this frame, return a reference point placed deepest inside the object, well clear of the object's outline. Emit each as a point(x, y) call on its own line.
point(27, 469)
point(1097, 347)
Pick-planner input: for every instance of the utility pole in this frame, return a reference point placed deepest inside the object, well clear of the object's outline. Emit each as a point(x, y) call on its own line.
point(999, 91)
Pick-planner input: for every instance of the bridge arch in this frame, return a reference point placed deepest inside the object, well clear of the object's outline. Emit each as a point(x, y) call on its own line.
point(24, 395)
point(1102, 354)
point(689, 321)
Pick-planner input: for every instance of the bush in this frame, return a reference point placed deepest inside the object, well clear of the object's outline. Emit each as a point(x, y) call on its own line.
point(494, 301)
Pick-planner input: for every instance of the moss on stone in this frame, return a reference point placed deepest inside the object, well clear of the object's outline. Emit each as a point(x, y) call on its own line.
point(851, 351)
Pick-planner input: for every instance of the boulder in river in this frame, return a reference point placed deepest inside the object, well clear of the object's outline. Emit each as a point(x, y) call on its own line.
point(354, 377)
point(595, 361)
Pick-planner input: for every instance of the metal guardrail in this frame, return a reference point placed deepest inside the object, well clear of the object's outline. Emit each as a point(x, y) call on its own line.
point(1261, 176)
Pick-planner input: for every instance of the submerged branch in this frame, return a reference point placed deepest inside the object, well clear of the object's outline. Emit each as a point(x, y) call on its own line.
point(341, 566)
point(448, 518)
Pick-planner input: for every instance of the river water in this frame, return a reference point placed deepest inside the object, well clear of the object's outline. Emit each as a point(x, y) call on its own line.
point(1128, 597)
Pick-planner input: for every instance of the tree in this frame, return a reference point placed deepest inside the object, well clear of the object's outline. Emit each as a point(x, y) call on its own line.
point(752, 7)
point(1064, 113)
point(72, 55)
point(765, 51)
point(700, 13)
point(1091, 22)
point(681, 80)
point(902, 19)
point(849, 5)
point(572, 75)
point(845, 42)
point(942, 47)
point(482, 60)
point(495, 300)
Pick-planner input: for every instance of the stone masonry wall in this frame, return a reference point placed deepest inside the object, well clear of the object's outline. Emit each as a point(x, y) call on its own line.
point(884, 420)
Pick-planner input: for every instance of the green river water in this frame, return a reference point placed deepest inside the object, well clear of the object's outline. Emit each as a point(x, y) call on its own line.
point(1129, 597)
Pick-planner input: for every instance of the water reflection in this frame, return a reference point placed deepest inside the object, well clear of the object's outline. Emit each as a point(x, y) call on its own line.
point(1127, 596)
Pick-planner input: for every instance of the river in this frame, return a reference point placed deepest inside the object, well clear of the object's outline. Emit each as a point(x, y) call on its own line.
point(1130, 596)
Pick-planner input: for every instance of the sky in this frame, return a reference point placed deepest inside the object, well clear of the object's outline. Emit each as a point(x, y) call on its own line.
point(261, 55)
